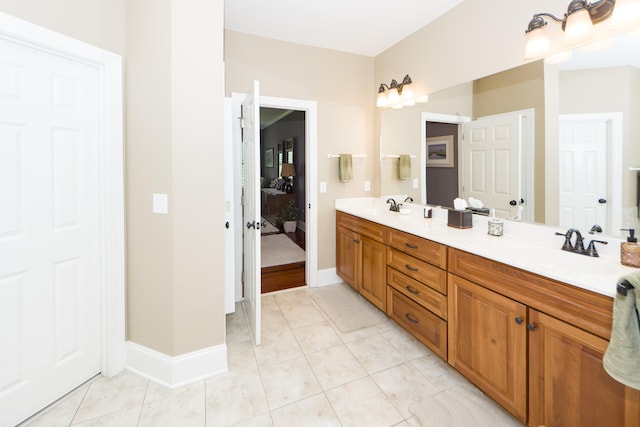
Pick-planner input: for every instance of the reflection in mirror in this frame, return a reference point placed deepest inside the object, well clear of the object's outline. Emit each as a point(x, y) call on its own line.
point(566, 180)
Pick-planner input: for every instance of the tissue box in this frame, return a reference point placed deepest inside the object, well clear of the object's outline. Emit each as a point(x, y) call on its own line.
point(460, 219)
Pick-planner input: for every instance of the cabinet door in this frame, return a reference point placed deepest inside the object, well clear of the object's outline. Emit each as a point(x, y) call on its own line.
point(488, 343)
point(347, 245)
point(373, 283)
point(568, 385)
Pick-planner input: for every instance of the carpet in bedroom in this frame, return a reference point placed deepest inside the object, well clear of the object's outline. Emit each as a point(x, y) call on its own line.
point(278, 249)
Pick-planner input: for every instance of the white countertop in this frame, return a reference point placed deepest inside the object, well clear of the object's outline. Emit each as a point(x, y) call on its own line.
point(531, 247)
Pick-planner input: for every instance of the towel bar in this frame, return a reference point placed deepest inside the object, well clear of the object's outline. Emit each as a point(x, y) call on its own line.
point(623, 286)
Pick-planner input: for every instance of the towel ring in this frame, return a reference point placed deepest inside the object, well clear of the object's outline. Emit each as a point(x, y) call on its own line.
point(623, 286)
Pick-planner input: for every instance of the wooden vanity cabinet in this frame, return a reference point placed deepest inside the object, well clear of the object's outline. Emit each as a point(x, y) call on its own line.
point(361, 257)
point(568, 385)
point(488, 343)
point(497, 312)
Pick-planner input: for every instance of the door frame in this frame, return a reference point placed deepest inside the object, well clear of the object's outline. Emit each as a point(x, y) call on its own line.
point(311, 178)
point(111, 175)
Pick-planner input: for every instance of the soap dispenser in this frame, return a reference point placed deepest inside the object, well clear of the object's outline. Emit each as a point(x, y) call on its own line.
point(630, 250)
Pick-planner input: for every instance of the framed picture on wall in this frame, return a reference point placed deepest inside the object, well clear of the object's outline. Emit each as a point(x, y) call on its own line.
point(440, 151)
point(268, 158)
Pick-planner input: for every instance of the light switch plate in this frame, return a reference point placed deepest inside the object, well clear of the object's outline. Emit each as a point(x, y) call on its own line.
point(367, 186)
point(415, 183)
point(160, 203)
point(323, 187)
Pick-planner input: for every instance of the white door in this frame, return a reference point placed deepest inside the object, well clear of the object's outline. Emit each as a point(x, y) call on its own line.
point(251, 208)
point(229, 239)
point(50, 268)
point(491, 163)
point(583, 173)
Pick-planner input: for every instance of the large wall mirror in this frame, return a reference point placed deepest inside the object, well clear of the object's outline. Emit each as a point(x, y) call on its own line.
point(579, 129)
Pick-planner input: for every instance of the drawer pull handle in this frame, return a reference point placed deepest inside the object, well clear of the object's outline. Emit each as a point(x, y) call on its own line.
point(410, 318)
point(412, 290)
point(409, 245)
point(410, 267)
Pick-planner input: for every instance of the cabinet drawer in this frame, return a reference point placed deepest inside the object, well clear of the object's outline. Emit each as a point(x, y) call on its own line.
point(419, 270)
point(424, 249)
point(366, 228)
point(428, 328)
point(420, 293)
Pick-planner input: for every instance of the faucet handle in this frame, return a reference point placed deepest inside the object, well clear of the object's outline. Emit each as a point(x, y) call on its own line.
point(567, 242)
point(591, 249)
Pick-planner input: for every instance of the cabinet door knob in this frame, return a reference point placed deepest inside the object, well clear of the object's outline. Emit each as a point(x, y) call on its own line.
point(531, 326)
point(356, 241)
point(519, 320)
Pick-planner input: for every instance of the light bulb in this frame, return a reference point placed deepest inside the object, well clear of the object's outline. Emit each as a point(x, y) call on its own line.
point(382, 100)
point(625, 14)
point(393, 96)
point(578, 27)
point(537, 43)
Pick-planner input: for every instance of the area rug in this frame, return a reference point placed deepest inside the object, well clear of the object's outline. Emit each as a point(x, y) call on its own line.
point(268, 228)
point(278, 249)
point(345, 308)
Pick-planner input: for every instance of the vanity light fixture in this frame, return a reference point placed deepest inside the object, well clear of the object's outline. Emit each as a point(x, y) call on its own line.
point(399, 94)
point(577, 25)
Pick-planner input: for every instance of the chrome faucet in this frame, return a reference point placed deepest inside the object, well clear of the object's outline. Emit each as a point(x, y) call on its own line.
point(578, 246)
point(395, 207)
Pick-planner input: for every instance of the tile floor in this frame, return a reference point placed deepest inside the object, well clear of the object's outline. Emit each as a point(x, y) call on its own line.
point(305, 373)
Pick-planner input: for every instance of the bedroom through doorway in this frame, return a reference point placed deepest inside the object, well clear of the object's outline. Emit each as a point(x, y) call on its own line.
point(282, 198)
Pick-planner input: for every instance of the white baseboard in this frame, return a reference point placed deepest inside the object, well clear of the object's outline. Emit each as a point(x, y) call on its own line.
point(176, 371)
point(327, 277)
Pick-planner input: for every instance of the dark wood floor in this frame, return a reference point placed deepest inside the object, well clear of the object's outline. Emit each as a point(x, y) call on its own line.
point(285, 276)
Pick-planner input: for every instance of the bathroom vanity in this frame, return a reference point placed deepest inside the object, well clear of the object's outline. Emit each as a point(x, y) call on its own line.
point(524, 321)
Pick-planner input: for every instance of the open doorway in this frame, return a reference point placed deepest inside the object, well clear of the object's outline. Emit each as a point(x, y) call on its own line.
point(282, 198)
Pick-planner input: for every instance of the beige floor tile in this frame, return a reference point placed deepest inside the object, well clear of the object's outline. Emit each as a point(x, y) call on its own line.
point(376, 353)
point(118, 419)
point(184, 406)
point(241, 357)
point(277, 348)
point(362, 403)
point(410, 347)
point(231, 400)
point(288, 382)
point(404, 385)
point(316, 336)
point(106, 396)
point(314, 411)
point(460, 406)
point(303, 314)
point(60, 413)
point(263, 420)
point(440, 373)
point(291, 298)
point(335, 366)
point(273, 323)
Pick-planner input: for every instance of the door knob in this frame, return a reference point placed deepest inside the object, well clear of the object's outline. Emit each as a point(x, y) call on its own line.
point(251, 224)
point(602, 200)
point(514, 202)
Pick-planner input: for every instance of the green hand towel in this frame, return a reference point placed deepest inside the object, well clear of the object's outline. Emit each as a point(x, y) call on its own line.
point(404, 166)
point(346, 168)
point(622, 358)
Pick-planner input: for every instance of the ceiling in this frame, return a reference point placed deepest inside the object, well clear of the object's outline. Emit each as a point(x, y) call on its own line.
point(364, 27)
